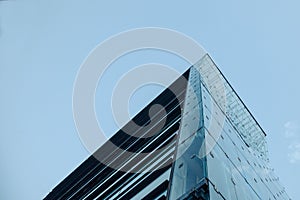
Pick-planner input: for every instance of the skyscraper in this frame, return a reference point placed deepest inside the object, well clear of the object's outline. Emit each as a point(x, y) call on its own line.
point(202, 144)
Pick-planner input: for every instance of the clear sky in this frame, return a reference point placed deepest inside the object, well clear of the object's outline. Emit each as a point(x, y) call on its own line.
point(43, 43)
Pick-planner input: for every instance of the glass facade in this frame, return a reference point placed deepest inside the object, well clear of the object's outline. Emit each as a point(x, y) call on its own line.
point(210, 147)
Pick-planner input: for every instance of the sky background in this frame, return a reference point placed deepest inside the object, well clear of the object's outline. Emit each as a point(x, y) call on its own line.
point(42, 45)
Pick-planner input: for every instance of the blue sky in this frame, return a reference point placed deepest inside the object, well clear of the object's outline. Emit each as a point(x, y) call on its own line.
point(42, 45)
